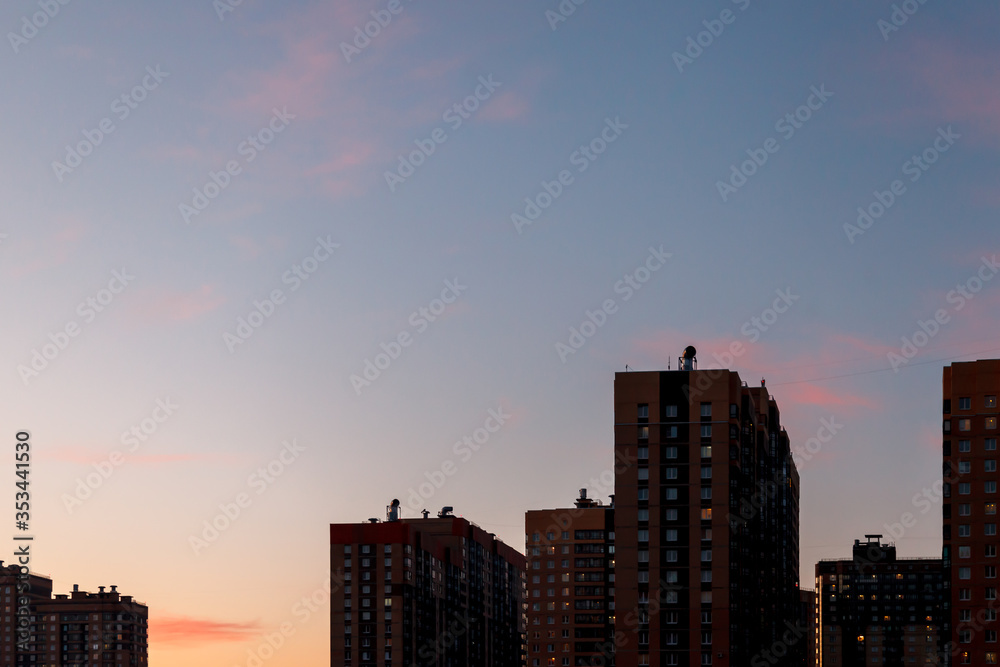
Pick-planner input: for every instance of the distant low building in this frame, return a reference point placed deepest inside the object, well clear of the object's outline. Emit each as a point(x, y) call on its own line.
point(431, 592)
point(875, 609)
point(104, 628)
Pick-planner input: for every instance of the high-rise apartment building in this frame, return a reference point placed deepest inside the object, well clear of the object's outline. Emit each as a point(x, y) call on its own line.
point(104, 628)
point(875, 609)
point(969, 509)
point(706, 520)
point(438, 592)
point(571, 584)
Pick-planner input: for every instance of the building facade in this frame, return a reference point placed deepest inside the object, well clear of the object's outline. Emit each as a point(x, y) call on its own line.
point(969, 509)
point(103, 628)
point(706, 521)
point(436, 592)
point(570, 556)
point(875, 609)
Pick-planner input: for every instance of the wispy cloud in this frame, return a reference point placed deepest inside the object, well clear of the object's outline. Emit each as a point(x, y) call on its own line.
point(191, 630)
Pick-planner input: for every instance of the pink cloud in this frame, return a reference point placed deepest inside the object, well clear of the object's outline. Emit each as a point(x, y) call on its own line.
point(176, 306)
point(953, 85)
point(505, 107)
point(191, 630)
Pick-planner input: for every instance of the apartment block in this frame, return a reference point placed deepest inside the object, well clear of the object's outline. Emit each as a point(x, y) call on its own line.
point(79, 628)
point(969, 509)
point(706, 521)
point(428, 591)
point(875, 609)
point(570, 556)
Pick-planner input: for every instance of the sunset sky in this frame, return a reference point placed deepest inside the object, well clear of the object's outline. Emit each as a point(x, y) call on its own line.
point(217, 216)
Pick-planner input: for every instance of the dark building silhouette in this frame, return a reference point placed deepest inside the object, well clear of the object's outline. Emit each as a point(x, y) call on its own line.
point(433, 591)
point(571, 582)
point(706, 522)
point(80, 628)
point(875, 609)
point(969, 509)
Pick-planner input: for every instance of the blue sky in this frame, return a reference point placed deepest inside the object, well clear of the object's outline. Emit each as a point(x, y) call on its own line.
point(680, 131)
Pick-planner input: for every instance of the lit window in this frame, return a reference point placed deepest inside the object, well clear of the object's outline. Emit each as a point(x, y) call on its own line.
point(706, 514)
point(644, 433)
point(991, 423)
point(706, 451)
point(991, 401)
point(964, 424)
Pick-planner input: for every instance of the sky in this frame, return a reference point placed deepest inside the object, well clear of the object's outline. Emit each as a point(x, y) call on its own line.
point(266, 270)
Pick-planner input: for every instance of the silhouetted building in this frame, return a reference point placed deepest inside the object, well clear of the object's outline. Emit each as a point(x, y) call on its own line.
point(807, 615)
point(104, 628)
point(706, 522)
point(875, 609)
point(571, 582)
point(431, 591)
point(969, 509)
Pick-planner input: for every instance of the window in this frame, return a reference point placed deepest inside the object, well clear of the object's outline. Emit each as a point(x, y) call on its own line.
point(965, 403)
point(671, 535)
point(706, 514)
point(964, 594)
point(706, 576)
point(670, 515)
point(706, 493)
point(644, 433)
point(669, 411)
point(670, 452)
point(670, 473)
point(671, 555)
point(643, 576)
point(706, 409)
point(706, 534)
point(991, 423)
point(990, 571)
point(990, 529)
point(643, 452)
point(670, 494)
point(706, 597)
point(990, 487)
point(642, 515)
point(991, 551)
point(991, 401)
point(964, 530)
point(991, 444)
point(964, 424)
point(706, 555)
point(964, 467)
point(706, 431)
point(644, 536)
point(964, 509)
point(643, 473)
point(670, 431)
point(644, 493)
point(965, 552)
point(964, 489)
point(706, 451)
point(706, 472)
point(964, 446)
point(991, 465)
point(964, 573)
point(991, 594)
point(643, 555)
point(643, 412)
